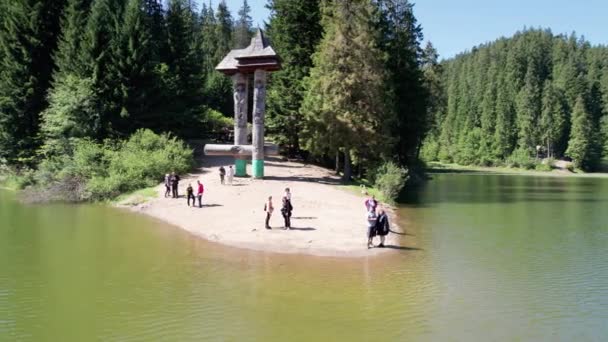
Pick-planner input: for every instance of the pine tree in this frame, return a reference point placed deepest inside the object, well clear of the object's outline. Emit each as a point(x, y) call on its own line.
point(133, 64)
point(400, 40)
point(580, 146)
point(243, 26)
point(528, 111)
point(68, 49)
point(95, 60)
point(185, 67)
point(295, 30)
point(343, 104)
point(552, 122)
point(219, 87)
point(28, 36)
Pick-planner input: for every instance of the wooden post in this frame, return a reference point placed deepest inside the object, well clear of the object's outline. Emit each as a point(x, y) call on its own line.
point(259, 109)
point(239, 83)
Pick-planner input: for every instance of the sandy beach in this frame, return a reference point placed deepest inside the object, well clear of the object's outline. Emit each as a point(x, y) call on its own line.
point(327, 219)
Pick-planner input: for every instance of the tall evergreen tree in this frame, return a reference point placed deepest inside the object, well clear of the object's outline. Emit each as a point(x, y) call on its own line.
point(185, 66)
point(28, 36)
point(343, 104)
point(580, 146)
point(243, 26)
point(528, 110)
point(400, 40)
point(295, 30)
point(552, 124)
point(219, 87)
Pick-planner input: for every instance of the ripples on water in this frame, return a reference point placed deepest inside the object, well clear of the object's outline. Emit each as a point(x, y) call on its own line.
point(496, 260)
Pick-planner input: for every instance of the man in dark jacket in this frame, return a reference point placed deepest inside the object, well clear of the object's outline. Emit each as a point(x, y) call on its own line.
point(174, 184)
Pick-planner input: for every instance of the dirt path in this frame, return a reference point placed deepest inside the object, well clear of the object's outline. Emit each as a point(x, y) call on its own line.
point(327, 220)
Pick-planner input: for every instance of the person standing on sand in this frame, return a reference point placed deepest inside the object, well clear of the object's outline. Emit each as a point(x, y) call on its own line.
point(382, 227)
point(371, 227)
point(288, 194)
point(190, 194)
point(199, 193)
point(268, 208)
point(230, 174)
point(222, 174)
point(174, 184)
point(286, 212)
point(167, 185)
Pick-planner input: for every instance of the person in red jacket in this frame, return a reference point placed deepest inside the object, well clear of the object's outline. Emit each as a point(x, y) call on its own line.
point(199, 193)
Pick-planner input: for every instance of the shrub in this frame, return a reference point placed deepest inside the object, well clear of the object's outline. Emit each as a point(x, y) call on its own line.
point(521, 158)
point(390, 180)
point(96, 171)
point(570, 167)
point(543, 167)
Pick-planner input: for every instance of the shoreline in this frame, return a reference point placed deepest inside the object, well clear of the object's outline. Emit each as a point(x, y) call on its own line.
point(328, 220)
point(441, 168)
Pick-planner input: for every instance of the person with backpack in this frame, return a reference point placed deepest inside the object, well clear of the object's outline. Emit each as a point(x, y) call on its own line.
point(190, 195)
point(199, 193)
point(286, 212)
point(222, 174)
point(382, 227)
point(268, 208)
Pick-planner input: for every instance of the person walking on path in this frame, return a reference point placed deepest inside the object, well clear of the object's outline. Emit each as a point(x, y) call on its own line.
point(268, 208)
point(199, 193)
point(174, 184)
point(222, 174)
point(371, 227)
point(167, 185)
point(382, 227)
point(230, 174)
point(190, 195)
point(286, 212)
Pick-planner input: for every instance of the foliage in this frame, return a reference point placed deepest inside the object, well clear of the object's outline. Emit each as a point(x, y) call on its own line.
point(390, 180)
point(343, 106)
point(521, 158)
point(295, 31)
point(522, 93)
point(243, 26)
point(581, 144)
point(94, 171)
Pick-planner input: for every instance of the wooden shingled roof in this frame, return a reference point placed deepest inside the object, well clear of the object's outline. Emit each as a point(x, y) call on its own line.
point(258, 55)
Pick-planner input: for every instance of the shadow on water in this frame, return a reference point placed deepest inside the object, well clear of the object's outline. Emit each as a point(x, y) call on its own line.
point(472, 189)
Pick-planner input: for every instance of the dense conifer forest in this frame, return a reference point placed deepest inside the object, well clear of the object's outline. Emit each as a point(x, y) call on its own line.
point(357, 90)
point(516, 100)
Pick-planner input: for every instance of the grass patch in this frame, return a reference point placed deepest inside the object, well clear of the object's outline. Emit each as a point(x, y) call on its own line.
point(136, 197)
point(358, 185)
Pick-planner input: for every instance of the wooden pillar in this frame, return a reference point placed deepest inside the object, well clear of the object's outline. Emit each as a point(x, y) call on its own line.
point(240, 89)
point(259, 109)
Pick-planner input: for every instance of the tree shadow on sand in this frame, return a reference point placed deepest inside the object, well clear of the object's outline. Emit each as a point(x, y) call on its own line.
point(321, 180)
point(307, 229)
point(402, 248)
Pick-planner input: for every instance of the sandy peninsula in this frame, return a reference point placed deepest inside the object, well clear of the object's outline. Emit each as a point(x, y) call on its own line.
point(327, 219)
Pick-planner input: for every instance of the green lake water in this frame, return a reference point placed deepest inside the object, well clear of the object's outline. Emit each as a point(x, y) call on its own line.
point(485, 258)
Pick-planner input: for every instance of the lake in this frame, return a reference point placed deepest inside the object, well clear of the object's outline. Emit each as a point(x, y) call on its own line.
point(485, 257)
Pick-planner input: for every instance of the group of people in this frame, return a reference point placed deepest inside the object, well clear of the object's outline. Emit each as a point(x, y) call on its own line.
point(286, 209)
point(172, 184)
point(226, 174)
point(377, 222)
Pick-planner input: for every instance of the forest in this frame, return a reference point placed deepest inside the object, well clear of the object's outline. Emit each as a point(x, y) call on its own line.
point(357, 90)
point(517, 100)
point(352, 88)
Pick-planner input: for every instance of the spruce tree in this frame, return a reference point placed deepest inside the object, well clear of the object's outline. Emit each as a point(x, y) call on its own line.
point(580, 145)
point(343, 104)
point(219, 87)
point(28, 37)
point(295, 30)
point(528, 111)
point(243, 26)
point(400, 37)
point(553, 119)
